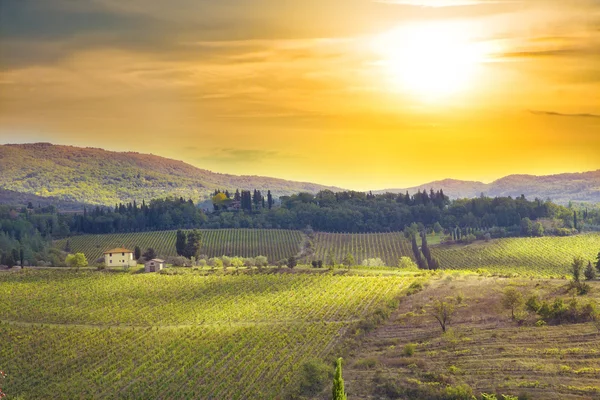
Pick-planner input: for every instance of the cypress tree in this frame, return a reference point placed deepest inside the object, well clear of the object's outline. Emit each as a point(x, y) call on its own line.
point(338, 392)
point(180, 242)
point(425, 248)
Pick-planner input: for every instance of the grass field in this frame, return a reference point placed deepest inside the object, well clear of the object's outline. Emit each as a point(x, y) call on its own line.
point(483, 349)
point(117, 335)
point(275, 244)
point(545, 256)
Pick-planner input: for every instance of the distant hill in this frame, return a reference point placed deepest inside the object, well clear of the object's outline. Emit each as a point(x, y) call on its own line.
point(561, 188)
point(23, 199)
point(97, 176)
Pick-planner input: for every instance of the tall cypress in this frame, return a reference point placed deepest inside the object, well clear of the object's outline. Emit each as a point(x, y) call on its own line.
point(338, 392)
point(180, 242)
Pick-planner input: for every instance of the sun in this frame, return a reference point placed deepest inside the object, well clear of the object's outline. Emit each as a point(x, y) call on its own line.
point(430, 60)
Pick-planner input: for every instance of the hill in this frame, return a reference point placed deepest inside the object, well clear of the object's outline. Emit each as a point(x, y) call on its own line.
point(97, 176)
point(484, 350)
point(23, 199)
point(275, 244)
point(561, 188)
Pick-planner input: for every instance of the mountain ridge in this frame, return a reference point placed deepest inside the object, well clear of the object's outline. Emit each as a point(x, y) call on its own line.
point(97, 176)
point(561, 188)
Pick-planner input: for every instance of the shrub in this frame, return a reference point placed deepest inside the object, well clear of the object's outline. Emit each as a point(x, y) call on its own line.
point(458, 392)
point(261, 261)
point(590, 272)
point(409, 349)
point(366, 363)
point(373, 262)
point(407, 263)
point(533, 303)
point(313, 377)
point(468, 239)
point(226, 261)
point(414, 287)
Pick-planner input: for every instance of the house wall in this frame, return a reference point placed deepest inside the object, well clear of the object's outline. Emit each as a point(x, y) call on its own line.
point(119, 259)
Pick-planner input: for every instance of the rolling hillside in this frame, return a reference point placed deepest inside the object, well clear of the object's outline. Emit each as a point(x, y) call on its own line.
point(97, 176)
point(275, 244)
point(561, 188)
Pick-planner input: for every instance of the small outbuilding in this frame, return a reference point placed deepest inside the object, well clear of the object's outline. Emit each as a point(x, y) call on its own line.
point(154, 265)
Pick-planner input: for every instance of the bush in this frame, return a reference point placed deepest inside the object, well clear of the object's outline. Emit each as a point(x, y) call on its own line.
point(261, 261)
point(226, 261)
point(373, 262)
point(407, 263)
point(179, 261)
point(468, 239)
point(314, 375)
point(414, 287)
point(249, 262)
point(409, 349)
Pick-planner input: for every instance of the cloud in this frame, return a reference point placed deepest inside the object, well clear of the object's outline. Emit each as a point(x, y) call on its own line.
point(447, 3)
point(558, 114)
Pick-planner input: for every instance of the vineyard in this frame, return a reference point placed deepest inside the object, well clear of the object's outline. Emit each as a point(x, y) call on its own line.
point(95, 335)
point(545, 256)
point(387, 246)
point(275, 244)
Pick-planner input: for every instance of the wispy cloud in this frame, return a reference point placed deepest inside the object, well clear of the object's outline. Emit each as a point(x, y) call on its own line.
point(446, 3)
point(558, 114)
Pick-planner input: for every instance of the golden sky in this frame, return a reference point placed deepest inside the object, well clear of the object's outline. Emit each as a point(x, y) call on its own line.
point(358, 94)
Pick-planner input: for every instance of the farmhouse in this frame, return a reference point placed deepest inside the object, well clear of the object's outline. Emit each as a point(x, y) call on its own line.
point(154, 265)
point(120, 257)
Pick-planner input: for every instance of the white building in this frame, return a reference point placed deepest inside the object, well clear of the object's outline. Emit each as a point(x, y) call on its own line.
point(154, 265)
point(119, 257)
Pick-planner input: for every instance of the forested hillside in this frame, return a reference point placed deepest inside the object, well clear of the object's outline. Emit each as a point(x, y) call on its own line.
point(98, 176)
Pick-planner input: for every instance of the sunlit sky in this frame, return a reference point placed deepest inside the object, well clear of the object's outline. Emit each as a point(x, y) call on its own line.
point(359, 94)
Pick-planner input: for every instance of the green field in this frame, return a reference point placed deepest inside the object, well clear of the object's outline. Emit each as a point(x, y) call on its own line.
point(275, 244)
point(545, 256)
point(108, 335)
point(387, 246)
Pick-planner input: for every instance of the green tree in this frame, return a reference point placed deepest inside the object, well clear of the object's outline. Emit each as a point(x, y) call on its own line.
point(590, 272)
point(193, 244)
point(291, 262)
point(512, 299)
point(149, 254)
point(137, 252)
point(443, 311)
point(538, 229)
point(331, 261)
point(77, 261)
point(349, 260)
point(577, 268)
point(526, 227)
point(180, 242)
point(338, 392)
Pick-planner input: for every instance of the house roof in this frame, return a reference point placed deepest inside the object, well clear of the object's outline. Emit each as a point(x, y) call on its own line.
point(118, 250)
point(158, 260)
